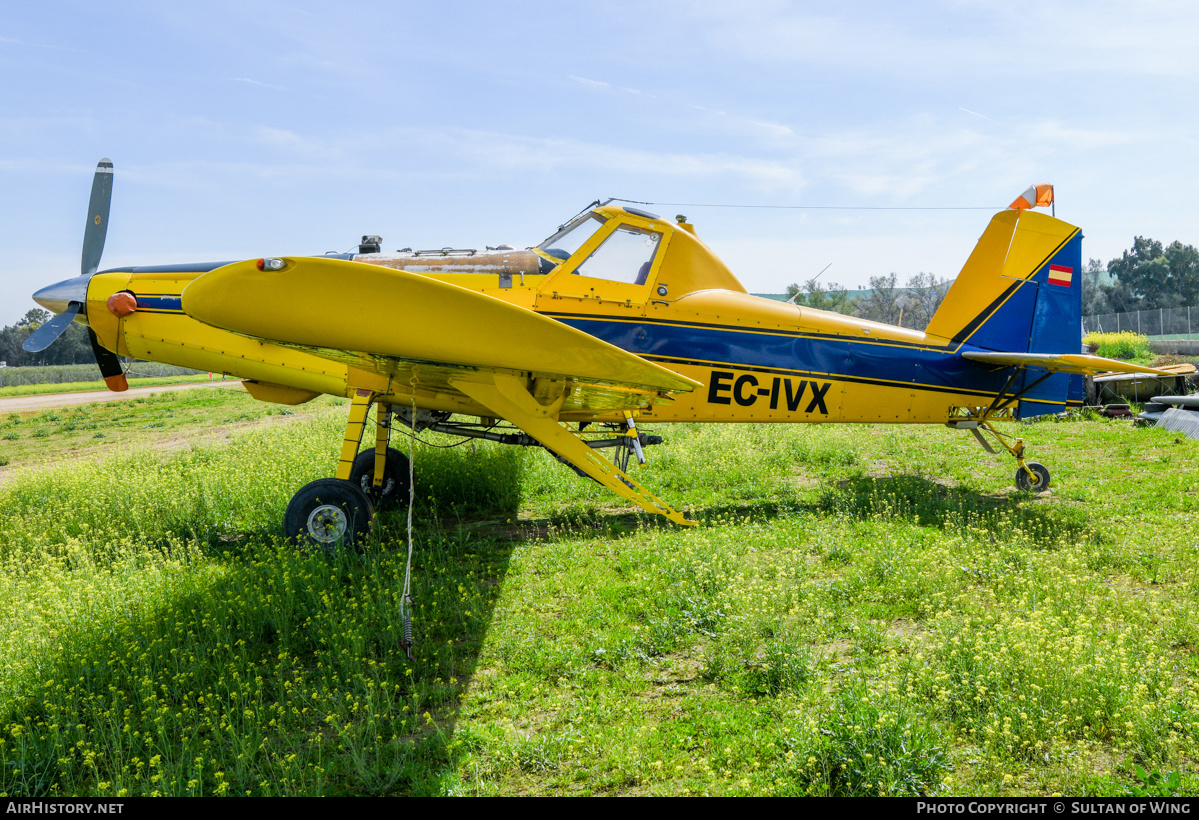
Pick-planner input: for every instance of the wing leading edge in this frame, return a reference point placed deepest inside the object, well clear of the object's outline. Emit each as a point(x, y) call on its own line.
point(407, 326)
point(332, 304)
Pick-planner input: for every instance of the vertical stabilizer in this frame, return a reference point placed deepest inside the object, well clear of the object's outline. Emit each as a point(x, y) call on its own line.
point(1020, 291)
point(992, 303)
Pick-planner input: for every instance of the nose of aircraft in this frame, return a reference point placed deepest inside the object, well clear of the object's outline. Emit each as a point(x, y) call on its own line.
point(56, 297)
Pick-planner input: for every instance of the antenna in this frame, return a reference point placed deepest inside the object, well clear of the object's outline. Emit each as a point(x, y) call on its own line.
point(791, 301)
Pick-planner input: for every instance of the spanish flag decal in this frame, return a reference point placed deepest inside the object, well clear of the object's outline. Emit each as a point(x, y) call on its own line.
point(1060, 275)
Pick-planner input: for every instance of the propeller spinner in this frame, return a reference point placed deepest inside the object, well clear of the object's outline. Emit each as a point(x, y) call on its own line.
point(68, 299)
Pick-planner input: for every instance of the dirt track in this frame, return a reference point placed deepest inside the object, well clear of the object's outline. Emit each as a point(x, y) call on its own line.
point(23, 404)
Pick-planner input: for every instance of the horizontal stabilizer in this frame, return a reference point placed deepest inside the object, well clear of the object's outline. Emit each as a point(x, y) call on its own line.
point(1061, 362)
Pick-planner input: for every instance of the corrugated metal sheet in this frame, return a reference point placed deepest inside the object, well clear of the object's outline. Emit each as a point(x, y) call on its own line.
point(1180, 421)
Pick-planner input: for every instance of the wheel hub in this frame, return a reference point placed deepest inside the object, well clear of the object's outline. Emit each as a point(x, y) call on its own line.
point(368, 485)
point(328, 523)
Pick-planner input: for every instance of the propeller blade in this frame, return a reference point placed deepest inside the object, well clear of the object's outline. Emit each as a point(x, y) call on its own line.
point(97, 217)
point(110, 365)
point(45, 335)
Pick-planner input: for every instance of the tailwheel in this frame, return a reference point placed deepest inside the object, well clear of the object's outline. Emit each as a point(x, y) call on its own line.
point(1030, 476)
point(395, 476)
point(1038, 482)
point(327, 513)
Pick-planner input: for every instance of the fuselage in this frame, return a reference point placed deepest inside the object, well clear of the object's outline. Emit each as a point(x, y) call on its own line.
point(759, 360)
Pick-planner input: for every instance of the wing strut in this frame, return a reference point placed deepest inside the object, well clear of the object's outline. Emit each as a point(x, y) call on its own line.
point(508, 397)
point(995, 408)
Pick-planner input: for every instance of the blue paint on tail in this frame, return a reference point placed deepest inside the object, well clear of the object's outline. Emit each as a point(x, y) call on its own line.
point(1010, 327)
point(1056, 328)
point(1037, 315)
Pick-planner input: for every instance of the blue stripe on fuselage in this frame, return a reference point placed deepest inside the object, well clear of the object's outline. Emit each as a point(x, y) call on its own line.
point(161, 304)
point(922, 368)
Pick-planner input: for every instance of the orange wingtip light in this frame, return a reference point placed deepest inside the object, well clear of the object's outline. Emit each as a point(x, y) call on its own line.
point(1037, 196)
point(117, 384)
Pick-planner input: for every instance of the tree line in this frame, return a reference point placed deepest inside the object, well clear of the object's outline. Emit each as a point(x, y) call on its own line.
point(72, 347)
point(911, 305)
point(1148, 276)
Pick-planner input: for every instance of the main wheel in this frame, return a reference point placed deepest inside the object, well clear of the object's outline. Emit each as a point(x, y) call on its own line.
point(329, 512)
point(395, 476)
point(1040, 485)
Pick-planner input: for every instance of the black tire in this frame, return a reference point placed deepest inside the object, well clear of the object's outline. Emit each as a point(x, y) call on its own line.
point(328, 513)
point(1024, 482)
point(395, 476)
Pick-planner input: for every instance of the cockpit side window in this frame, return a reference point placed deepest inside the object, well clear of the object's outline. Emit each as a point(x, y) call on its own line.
point(568, 240)
point(625, 256)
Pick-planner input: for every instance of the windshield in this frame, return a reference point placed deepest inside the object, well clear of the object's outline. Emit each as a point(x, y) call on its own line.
point(625, 256)
point(569, 239)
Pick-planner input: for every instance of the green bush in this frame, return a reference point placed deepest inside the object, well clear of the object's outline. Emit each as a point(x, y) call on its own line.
point(1123, 345)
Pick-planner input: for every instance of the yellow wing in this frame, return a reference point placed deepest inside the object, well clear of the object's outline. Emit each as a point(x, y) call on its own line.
point(447, 339)
point(391, 321)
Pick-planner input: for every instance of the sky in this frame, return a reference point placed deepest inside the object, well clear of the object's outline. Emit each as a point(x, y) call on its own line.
point(886, 131)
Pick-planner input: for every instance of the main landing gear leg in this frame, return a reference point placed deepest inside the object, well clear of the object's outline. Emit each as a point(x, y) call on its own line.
point(382, 473)
point(359, 408)
point(330, 512)
point(382, 438)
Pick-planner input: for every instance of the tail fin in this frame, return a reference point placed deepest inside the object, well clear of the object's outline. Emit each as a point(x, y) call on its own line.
point(1020, 291)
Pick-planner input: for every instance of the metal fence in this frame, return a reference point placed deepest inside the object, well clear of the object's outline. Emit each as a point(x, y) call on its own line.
point(1170, 323)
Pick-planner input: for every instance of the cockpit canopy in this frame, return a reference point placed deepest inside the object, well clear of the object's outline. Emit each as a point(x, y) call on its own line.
point(625, 255)
point(635, 249)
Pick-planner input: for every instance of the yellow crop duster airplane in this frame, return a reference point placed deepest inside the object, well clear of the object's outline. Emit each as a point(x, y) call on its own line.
point(619, 317)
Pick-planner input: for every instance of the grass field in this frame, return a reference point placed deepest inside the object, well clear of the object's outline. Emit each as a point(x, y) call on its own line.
point(863, 610)
point(162, 419)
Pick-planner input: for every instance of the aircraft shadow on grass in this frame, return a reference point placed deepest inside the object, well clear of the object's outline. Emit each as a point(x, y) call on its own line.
point(334, 616)
point(932, 503)
point(334, 619)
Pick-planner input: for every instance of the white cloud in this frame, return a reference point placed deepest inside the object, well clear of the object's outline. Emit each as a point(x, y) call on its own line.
point(980, 116)
point(600, 85)
point(590, 83)
point(902, 188)
point(718, 121)
point(14, 41)
point(288, 140)
point(257, 83)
